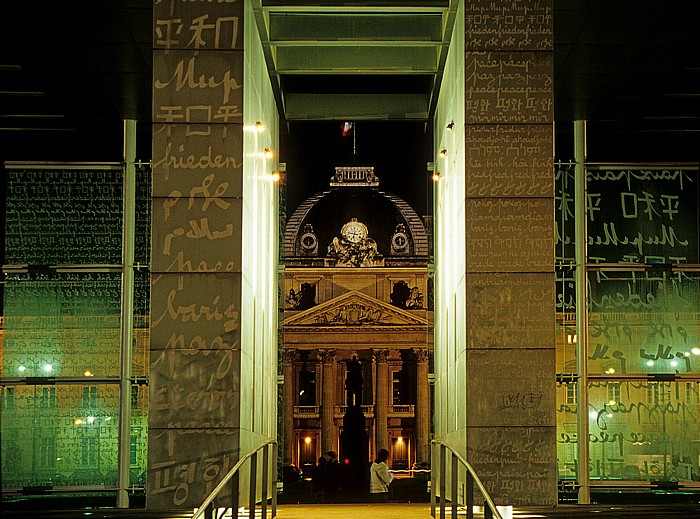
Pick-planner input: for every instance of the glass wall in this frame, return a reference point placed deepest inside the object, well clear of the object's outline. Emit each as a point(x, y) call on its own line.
point(61, 329)
point(643, 327)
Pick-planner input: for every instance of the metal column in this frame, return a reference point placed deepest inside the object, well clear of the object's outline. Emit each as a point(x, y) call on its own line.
point(127, 310)
point(580, 239)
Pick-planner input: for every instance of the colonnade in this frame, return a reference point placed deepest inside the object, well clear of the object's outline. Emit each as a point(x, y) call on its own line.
point(330, 399)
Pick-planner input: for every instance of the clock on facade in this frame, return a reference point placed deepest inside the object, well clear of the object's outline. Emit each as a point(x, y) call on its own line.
point(309, 241)
point(399, 241)
point(354, 231)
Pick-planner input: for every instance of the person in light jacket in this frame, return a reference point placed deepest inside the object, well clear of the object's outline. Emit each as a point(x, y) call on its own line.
point(380, 477)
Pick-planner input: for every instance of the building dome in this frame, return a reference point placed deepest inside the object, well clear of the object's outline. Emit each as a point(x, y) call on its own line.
point(383, 220)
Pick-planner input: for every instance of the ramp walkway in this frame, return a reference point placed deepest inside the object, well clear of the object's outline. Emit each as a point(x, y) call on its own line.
point(422, 511)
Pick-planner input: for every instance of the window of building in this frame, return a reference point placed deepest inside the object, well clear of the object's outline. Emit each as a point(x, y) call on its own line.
point(47, 398)
point(8, 397)
point(133, 449)
point(90, 397)
point(398, 390)
point(571, 393)
point(47, 452)
point(88, 451)
point(613, 393)
point(134, 397)
point(691, 393)
point(307, 386)
point(658, 393)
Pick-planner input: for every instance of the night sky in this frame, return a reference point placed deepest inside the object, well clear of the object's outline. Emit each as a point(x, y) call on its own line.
point(398, 151)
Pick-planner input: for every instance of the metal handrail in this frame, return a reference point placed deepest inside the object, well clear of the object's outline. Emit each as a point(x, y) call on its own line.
point(206, 505)
point(490, 509)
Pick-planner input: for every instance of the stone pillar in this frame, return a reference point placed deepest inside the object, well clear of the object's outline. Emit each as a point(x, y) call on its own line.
point(289, 390)
point(328, 400)
point(510, 272)
point(196, 301)
point(381, 406)
point(422, 412)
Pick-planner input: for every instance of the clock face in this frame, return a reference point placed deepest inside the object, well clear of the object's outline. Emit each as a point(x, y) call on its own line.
point(354, 231)
point(400, 240)
point(308, 241)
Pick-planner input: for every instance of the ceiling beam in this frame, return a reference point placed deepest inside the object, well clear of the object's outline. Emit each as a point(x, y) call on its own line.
point(318, 107)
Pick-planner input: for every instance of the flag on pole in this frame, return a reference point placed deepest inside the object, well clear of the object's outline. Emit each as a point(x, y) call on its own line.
point(347, 128)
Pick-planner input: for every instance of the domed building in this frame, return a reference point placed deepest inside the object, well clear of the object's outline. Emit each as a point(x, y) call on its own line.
point(357, 325)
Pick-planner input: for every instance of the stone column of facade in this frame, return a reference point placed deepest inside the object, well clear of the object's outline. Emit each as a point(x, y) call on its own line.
point(511, 429)
point(422, 411)
point(328, 400)
point(381, 406)
point(290, 356)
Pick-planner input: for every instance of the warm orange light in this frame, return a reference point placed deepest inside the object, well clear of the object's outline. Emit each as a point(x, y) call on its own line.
point(399, 439)
point(275, 176)
point(436, 176)
point(268, 153)
point(88, 373)
point(307, 440)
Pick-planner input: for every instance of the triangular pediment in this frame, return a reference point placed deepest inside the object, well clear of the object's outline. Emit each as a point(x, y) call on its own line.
point(355, 309)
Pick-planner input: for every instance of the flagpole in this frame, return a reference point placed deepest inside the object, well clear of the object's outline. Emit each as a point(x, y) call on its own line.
point(354, 149)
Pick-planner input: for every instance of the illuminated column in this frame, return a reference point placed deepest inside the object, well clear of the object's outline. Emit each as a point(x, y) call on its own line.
point(328, 401)
point(510, 272)
point(422, 413)
point(213, 322)
point(289, 389)
point(382, 403)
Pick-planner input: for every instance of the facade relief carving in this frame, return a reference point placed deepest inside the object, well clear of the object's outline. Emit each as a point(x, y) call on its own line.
point(353, 314)
point(381, 355)
point(290, 355)
point(421, 354)
point(355, 309)
point(327, 355)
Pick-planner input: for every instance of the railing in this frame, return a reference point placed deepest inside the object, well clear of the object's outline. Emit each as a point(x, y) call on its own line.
point(405, 411)
point(306, 411)
point(340, 410)
point(438, 466)
point(269, 452)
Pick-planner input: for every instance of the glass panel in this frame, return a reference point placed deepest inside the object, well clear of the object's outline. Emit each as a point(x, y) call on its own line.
point(566, 429)
point(639, 430)
point(63, 217)
point(564, 214)
point(565, 257)
point(138, 448)
point(642, 216)
point(142, 250)
point(141, 332)
point(644, 322)
point(649, 432)
point(61, 325)
point(59, 435)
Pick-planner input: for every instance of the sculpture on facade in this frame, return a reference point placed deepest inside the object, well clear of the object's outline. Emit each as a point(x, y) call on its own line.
point(353, 382)
point(354, 248)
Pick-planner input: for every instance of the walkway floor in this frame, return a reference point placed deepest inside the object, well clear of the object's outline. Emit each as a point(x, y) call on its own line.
point(355, 511)
point(422, 511)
